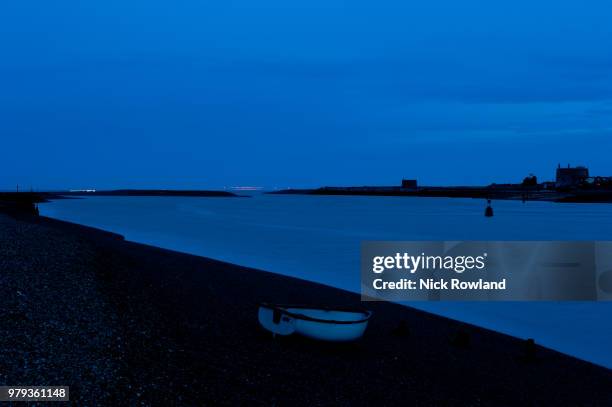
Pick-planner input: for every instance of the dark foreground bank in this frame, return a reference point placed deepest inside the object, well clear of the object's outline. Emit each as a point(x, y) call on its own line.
point(127, 324)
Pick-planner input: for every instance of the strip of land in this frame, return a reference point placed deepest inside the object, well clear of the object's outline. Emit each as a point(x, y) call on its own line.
point(488, 192)
point(47, 195)
point(150, 192)
point(129, 324)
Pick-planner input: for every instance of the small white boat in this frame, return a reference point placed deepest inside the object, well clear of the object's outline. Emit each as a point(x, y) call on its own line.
point(328, 324)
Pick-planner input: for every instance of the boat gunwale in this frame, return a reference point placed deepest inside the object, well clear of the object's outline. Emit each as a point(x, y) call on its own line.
point(283, 309)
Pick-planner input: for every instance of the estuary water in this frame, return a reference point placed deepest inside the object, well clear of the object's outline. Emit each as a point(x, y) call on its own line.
point(318, 238)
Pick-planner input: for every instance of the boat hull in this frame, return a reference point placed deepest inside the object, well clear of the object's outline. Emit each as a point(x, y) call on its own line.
point(327, 324)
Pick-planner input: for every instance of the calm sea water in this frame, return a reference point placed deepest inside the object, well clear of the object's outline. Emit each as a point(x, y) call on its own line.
point(318, 238)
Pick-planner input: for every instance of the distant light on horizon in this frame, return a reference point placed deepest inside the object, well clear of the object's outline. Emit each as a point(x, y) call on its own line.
point(246, 188)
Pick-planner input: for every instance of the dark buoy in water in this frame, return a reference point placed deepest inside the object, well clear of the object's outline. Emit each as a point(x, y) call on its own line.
point(489, 210)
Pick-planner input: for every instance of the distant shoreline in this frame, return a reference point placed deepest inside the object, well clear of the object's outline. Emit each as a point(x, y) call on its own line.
point(44, 196)
point(151, 192)
point(491, 192)
point(19, 203)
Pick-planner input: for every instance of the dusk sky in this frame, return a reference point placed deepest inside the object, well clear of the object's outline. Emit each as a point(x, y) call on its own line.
point(198, 94)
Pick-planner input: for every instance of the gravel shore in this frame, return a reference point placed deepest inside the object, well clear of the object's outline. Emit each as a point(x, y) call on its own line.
point(128, 324)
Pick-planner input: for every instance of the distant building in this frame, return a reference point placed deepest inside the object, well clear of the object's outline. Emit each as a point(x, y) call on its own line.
point(571, 176)
point(598, 183)
point(409, 184)
point(530, 181)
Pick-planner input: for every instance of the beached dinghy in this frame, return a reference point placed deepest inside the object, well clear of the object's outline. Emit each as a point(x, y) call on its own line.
point(328, 324)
